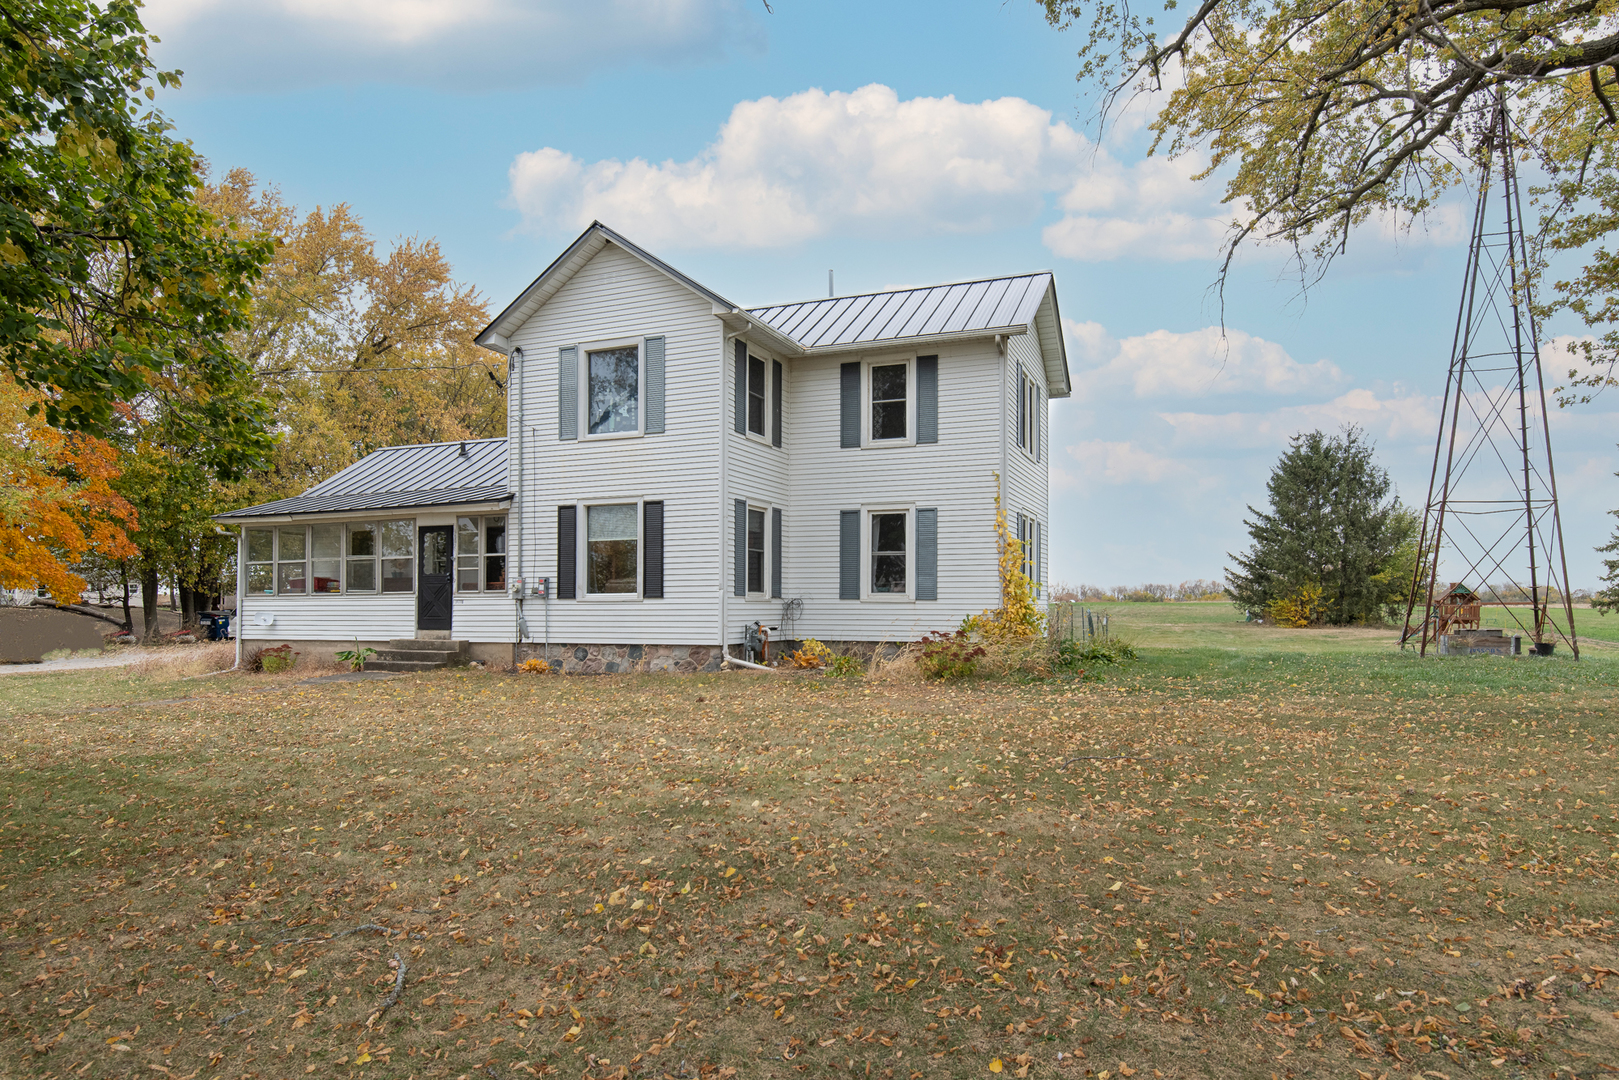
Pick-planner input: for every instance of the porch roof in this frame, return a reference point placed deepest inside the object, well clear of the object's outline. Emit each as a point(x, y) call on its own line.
point(401, 477)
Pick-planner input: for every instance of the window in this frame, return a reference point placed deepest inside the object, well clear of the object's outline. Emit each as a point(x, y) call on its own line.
point(756, 550)
point(888, 400)
point(756, 396)
point(291, 575)
point(261, 561)
point(326, 553)
point(613, 390)
point(480, 554)
point(1028, 417)
point(332, 558)
point(888, 553)
point(398, 556)
point(362, 558)
point(612, 542)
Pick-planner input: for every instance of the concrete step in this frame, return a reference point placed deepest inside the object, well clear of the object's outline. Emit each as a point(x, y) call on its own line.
point(430, 645)
point(404, 665)
point(436, 656)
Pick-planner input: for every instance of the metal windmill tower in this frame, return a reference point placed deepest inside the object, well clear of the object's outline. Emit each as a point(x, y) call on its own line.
point(1491, 521)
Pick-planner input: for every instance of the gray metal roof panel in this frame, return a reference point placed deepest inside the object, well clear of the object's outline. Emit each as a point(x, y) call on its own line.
point(425, 467)
point(401, 500)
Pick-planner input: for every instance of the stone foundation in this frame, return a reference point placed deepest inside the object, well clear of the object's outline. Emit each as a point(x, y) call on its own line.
point(619, 659)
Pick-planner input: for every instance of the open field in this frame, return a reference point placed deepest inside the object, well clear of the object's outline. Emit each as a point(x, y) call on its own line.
point(1247, 854)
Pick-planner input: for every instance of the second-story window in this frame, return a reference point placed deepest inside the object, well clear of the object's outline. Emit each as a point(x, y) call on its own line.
point(613, 397)
point(888, 400)
point(756, 396)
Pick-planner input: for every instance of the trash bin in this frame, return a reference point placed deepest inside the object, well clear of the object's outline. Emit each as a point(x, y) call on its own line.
point(215, 624)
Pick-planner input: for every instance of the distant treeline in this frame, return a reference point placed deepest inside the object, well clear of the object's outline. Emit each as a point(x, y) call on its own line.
point(1196, 589)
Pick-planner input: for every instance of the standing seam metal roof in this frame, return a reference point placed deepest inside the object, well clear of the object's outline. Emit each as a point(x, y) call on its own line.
point(871, 318)
point(428, 474)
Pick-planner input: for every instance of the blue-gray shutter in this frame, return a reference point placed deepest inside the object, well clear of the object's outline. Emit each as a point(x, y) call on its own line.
point(927, 554)
point(775, 553)
point(652, 557)
point(927, 399)
point(567, 551)
point(741, 418)
point(739, 575)
point(775, 403)
point(849, 405)
point(568, 393)
point(654, 386)
point(1039, 416)
point(848, 554)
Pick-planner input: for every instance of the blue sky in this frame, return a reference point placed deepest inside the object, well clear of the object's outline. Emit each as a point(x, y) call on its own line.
point(899, 143)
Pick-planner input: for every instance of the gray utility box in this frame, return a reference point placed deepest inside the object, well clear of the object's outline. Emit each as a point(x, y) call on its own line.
point(1480, 643)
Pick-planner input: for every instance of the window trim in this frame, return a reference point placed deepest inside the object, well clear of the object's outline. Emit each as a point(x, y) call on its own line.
point(866, 364)
point(770, 360)
point(764, 577)
point(582, 353)
point(582, 550)
point(866, 512)
point(482, 556)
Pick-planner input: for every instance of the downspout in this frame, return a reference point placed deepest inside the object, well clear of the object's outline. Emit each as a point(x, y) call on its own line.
point(725, 362)
point(515, 376)
point(1000, 481)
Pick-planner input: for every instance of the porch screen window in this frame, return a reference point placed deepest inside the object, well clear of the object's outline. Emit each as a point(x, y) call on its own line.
point(291, 571)
point(480, 554)
point(756, 396)
point(362, 558)
point(398, 549)
point(326, 546)
point(612, 536)
point(888, 401)
point(888, 553)
point(261, 561)
point(494, 554)
point(467, 551)
point(756, 551)
point(614, 390)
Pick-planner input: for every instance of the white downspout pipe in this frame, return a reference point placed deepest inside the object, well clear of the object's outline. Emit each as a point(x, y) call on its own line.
point(724, 517)
point(515, 379)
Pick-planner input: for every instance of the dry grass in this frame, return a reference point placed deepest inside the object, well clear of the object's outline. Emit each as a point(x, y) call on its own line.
point(179, 661)
point(1333, 868)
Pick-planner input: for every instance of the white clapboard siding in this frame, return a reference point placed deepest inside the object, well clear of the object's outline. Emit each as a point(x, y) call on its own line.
point(758, 472)
point(483, 617)
point(616, 295)
point(328, 618)
point(956, 475)
point(1027, 480)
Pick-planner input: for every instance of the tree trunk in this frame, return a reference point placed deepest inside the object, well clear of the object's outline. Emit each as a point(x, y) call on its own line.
point(149, 602)
point(188, 607)
point(123, 576)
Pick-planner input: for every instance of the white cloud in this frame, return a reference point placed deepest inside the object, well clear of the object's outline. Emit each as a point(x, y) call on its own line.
point(467, 44)
point(1398, 419)
point(1152, 210)
point(784, 170)
point(1123, 463)
point(1164, 363)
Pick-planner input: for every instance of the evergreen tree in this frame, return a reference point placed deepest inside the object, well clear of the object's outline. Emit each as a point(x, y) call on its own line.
point(1333, 525)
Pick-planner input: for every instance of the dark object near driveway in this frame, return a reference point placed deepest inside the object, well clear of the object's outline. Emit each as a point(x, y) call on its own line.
point(1545, 648)
point(215, 624)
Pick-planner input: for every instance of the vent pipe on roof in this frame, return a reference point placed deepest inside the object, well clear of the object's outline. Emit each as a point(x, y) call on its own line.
point(829, 283)
point(463, 449)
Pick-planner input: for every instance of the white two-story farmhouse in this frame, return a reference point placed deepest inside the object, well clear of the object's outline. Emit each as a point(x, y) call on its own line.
point(677, 468)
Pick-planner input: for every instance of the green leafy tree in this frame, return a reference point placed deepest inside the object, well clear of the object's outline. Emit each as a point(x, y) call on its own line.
point(1322, 114)
point(1333, 525)
point(118, 286)
point(1607, 599)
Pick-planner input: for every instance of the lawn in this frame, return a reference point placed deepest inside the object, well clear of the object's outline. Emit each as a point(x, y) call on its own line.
point(1250, 853)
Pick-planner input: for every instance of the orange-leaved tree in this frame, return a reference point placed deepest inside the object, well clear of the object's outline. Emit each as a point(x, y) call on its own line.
point(57, 504)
